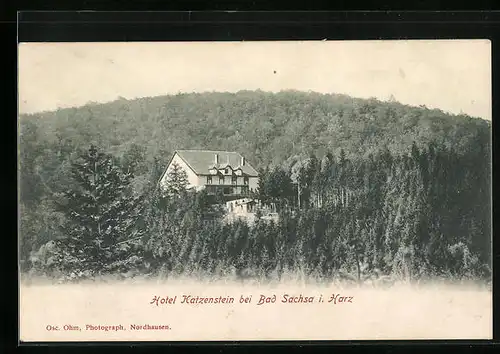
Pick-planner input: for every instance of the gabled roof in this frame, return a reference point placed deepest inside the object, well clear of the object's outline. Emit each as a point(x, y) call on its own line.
point(224, 165)
point(201, 161)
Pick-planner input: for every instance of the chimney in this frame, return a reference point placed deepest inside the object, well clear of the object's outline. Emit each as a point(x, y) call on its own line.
point(242, 161)
point(216, 159)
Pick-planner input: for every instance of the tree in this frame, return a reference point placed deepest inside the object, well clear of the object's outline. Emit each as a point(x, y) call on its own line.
point(133, 159)
point(276, 187)
point(263, 185)
point(30, 184)
point(101, 214)
point(177, 181)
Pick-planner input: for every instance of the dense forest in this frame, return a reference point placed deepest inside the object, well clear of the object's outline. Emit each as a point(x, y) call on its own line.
point(364, 188)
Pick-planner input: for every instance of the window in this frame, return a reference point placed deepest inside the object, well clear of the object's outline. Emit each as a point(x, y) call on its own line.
point(245, 180)
point(227, 171)
point(209, 179)
point(234, 179)
point(221, 180)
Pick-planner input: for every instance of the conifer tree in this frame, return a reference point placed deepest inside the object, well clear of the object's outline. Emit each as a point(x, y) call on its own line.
point(177, 181)
point(101, 215)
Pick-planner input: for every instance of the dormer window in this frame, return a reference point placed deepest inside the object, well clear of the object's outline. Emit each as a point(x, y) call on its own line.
point(227, 171)
point(213, 171)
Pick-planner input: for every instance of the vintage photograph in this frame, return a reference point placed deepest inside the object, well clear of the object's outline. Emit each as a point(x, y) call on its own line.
point(295, 190)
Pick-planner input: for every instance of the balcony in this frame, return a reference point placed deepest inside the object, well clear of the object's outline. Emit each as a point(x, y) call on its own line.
point(227, 189)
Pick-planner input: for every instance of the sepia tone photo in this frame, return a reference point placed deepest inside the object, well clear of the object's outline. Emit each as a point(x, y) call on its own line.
point(212, 191)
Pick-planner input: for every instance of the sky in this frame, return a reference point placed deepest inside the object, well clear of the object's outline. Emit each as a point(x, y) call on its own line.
point(452, 75)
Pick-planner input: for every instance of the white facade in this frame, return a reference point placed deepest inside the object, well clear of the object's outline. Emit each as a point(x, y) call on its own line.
point(246, 209)
point(193, 178)
point(215, 177)
point(241, 206)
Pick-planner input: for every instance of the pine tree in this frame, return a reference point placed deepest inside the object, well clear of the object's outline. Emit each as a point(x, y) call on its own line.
point(100, 228)
point(263, 186)
point(177, 181)
point(134, 159)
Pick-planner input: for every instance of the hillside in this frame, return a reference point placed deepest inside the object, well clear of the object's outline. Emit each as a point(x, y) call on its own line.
point(381, 179)
point(266, 127)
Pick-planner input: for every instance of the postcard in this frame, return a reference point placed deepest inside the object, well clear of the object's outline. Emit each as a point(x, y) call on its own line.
point(236, 191)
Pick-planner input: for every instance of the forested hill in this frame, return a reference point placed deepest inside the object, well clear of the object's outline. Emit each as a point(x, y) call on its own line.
point(406, 188)
point(268, 128)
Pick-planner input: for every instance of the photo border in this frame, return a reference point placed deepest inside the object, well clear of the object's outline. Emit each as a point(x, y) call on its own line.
point(72, 26)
